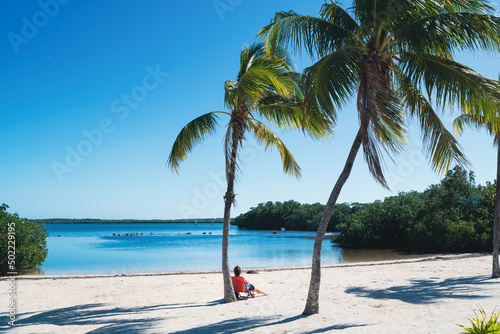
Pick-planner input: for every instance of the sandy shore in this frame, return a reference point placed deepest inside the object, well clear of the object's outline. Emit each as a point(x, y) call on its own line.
point(403, 297)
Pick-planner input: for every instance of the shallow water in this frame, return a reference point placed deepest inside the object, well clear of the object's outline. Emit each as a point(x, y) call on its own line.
point(161, 247)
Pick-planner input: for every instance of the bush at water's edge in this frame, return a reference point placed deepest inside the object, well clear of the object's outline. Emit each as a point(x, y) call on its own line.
point(23, 243)
point(291, 215)
point(454, 216)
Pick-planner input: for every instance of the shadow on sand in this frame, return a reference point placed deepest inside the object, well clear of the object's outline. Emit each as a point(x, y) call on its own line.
point(135, 320)
point(110, 320)
point(429, 291)
point(250, 323)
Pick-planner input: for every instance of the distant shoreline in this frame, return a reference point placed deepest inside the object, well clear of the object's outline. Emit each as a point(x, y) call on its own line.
point(433, 258)
point(129, 221)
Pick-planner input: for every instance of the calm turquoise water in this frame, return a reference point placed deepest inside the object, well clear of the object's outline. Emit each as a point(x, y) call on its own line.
point(92, 248)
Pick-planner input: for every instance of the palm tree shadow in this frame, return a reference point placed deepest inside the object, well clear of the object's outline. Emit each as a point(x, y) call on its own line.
point(241, 324)
point(427, 291)
point(113, 320)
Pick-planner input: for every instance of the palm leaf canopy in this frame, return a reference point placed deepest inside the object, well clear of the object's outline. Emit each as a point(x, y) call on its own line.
point(471, 120)
point(396, 56)
point(477, 121)
point(266, 87)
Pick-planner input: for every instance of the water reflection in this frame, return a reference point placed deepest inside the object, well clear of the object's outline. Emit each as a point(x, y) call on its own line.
point(348, 255)
point(160, 247)
point(33, 271)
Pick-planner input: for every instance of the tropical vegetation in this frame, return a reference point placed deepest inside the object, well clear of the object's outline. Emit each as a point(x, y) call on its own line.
point(130, 221)
point(481, 324)
point(266, 87)
point(395, 56)
point(292, 216)
point(493, 127)
point(453, 216)
point(23, 242)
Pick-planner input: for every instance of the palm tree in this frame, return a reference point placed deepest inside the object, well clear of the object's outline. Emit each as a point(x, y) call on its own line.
point(395, 55)
point(266, 86)
point(493, 127)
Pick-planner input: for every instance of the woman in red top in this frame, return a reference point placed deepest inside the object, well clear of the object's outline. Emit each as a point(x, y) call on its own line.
point(248, 286)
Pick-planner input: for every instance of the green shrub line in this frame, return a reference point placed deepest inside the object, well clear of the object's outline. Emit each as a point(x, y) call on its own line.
point(23, 242)
point(455, 215)
point(129, 221)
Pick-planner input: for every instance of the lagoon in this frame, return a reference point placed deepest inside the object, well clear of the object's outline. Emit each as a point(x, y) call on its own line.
point(170, 247)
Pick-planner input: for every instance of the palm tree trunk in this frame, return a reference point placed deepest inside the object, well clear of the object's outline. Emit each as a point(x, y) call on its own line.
point(229, 295)
point(496, 225)
point(312, 304)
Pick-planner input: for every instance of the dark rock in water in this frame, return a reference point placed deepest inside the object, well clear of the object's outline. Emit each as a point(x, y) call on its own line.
point(114, 234)
point(209, 232)
point(275, 232)
point(189, 233)
point(59, 235)
point(252, 272)
point(204, 233)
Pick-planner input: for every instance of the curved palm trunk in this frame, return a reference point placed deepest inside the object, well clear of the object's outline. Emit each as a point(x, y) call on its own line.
point(229, 295)
point(496, 226)
point(312, 304)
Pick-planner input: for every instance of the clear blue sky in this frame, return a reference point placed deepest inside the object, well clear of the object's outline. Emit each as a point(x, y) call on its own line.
point(93, 94)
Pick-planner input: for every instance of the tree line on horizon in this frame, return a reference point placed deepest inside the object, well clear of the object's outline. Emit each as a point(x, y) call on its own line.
point(453, 216)
point(128, 221)
point(396, 57)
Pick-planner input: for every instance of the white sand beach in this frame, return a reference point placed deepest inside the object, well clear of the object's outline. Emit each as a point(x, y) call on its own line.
point(400, 297)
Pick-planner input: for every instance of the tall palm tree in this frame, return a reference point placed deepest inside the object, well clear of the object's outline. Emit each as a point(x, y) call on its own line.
point(266, 86)
point(395, 55)
point(493, 127)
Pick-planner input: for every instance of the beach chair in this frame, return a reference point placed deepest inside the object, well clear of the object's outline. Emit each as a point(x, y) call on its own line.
point(239, 288)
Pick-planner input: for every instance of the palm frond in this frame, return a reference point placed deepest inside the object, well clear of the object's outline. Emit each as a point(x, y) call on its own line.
point(445, 33)
point(371, 13)
point(285, 113)
point(467, 120)
point(191, 134)
point(333, 12)
point(247, 56)
point(266, 136)
point(288, 114)
point(316, 35)
point(372, 156)
point(452, 83)
point(401, 12)
point(382, 125)
point(473, 6)
point(266, 75)
point(389, 122)
point(440, 145)
point(330, 82)
point(230, 97)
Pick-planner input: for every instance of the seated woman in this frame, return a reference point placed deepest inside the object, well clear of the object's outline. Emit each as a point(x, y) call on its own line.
point(248, 286)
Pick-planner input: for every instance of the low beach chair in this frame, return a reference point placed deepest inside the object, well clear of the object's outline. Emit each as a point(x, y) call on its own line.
point(239, 288)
